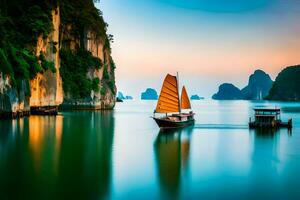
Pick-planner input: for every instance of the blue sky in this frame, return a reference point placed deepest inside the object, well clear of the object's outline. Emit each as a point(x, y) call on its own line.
point(207, 41)
point(219, 6)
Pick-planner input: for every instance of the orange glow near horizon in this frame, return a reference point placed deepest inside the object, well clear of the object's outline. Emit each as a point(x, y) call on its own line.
point(213, 45)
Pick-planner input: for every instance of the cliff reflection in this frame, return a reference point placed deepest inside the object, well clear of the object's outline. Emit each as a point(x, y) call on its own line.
point(58, 157)
point(86, 156)
point(11, 159)
point(172, 156)
point(44, 140)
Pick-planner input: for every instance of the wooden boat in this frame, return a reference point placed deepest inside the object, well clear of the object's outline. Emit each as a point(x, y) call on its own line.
point(268, 118)
point(171, 105)
point(47, 110)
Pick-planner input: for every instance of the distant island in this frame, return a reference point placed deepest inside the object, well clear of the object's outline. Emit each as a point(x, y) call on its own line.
point(149, 94)
point(228, 91)
point(119, 100)
point(287, 85)
point(122, 97)
point(258, 88)
point(196, 97)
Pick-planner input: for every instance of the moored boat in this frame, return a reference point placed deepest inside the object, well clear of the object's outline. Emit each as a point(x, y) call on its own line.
point(171, 104)
point(268, 118)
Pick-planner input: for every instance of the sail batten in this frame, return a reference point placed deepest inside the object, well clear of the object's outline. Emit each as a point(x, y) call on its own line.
point(185, 101)
point(171, 88)
point(169, 98)
point(168, 103)
point(172, 95)
point(164, 103)
point(168, 107)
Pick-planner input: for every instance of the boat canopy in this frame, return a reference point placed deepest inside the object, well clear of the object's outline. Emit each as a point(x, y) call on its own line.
point(185, 101)
point(169, 98)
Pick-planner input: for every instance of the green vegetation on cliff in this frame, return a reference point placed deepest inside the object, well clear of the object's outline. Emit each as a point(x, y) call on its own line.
point(287, 85)
point(21, 23)
point(74, 68)
point(78, 18)
point(108, 81)
point(82, 16)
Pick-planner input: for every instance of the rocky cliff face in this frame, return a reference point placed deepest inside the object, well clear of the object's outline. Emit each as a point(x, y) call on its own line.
point(85, 49)
point(104, 96)
point(43, 87)
point(46, 88)
point(13, 103)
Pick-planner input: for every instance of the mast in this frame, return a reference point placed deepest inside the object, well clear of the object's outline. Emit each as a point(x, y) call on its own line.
point(179, 101)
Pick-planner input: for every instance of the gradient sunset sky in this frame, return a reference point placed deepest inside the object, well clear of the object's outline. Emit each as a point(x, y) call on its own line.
point(208, 42)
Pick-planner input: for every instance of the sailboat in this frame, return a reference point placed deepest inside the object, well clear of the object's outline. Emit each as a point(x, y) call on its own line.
point(171, 105)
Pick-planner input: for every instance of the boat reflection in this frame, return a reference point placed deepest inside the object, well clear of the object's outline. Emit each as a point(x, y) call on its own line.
point(270, 132)
point(266, 158)
point(172, 149)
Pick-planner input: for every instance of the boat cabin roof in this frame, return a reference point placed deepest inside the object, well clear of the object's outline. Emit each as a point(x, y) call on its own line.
point(267, 109)
point(266, 116)
point(267, 112)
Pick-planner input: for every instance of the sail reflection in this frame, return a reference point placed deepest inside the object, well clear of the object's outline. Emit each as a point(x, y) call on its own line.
point(172, 150)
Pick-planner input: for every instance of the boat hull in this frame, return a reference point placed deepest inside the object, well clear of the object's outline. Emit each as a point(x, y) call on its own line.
point(167, 124)
point(254, 125)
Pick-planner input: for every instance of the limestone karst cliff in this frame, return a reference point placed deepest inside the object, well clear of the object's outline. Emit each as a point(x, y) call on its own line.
point(227, 91)
point(287, 85)
point(40, 41)
point(85, 49)
point(46, 87)
point(258, 87)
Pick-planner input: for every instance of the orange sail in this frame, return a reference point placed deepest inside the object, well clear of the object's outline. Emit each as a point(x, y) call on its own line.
point(169, 98)
point(185, 101)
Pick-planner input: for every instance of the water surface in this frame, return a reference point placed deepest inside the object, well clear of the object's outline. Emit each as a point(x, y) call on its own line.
point(122, 154)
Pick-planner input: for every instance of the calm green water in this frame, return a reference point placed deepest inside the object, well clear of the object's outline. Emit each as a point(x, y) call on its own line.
point(122, 155)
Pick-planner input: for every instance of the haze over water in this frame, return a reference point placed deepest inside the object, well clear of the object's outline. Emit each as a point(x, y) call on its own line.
point(122, 154)
point(213, 41)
